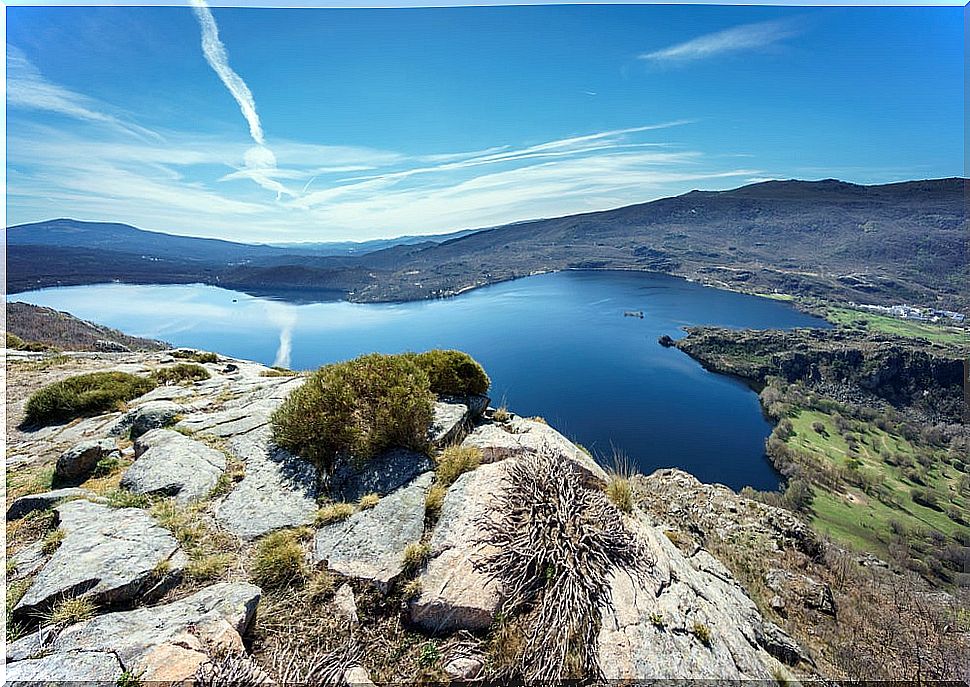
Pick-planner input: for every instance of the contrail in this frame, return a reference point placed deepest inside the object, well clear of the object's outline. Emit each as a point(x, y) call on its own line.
point(218, 59)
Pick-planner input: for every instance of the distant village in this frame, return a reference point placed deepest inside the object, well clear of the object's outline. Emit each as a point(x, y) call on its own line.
point(910, 312)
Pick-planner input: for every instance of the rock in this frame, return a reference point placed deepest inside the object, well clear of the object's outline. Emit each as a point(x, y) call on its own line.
point(26, 562)
point(162, 643)
point(780, 645)
point(370, 544)
point(777, 604)
point(464, 668)
point(523, 437)
point(174, 465)
point(345, 603)
point(380, 475)
point(453, 415)
point(80, 460)
point(279, 490)
point(147, 416)
point(357, 676)
point(28, 504)
point(648, 631)
point(108, 555)
point(69, 667)
point(811, 592)
point(454, 594)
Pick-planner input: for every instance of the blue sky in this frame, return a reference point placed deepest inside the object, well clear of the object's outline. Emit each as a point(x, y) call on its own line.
point(334, 124)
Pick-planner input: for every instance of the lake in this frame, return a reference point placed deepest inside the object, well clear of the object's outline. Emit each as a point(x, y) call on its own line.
point(555, 345)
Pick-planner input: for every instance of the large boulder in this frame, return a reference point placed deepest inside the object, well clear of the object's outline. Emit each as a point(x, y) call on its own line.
point(520, 437)
point(370, 544)
point(455, 595)
point(23, 505)
point(147, 416)
point(687, 619)
point(64, 668)
point(79, 461)
point(453, 415)
point(107, 555)
point(162, 643)
point(806, 590)
point(279, 490)
point(380, 475)
point(174, 465)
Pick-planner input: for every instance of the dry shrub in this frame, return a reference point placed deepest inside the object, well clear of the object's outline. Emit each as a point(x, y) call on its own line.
point(557, 545)
point(454, 461)
point(279, 559)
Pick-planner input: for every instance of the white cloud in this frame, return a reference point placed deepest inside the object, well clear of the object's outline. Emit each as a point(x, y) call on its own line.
point(736, 39)
point(28, 89)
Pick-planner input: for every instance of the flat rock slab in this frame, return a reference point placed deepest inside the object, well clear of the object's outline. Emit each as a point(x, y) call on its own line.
point(162, 643)
point(95, 668)
point(453, 415)
point(279, 489)
point(107, 555)
point(370, 544)
point(380, 475)
point(31, 502)
point(80, 460)
point(174, 465)
point(147, 416)
point(454, 594)
point(648, 630)
point(520, 437)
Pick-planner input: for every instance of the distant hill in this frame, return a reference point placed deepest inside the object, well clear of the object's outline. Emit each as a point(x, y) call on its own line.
point(62, 330)
point(904, 242)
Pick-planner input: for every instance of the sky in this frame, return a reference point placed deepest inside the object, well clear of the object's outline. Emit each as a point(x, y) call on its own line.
point(285, 125)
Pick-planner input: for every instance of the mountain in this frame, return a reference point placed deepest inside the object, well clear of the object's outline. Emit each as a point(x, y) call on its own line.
point(361, 247)
point(904, 242)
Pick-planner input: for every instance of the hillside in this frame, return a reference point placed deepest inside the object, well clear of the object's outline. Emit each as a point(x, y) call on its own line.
point(891, 243)
point(174, 540)
point(61, 330)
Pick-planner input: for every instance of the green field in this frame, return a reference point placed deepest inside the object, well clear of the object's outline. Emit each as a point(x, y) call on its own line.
point(861, 518)
point(938, 333)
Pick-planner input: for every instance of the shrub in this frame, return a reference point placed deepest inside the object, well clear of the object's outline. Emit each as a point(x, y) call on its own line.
point(454, 461)
point(333, 513)
point(105, 466)
point(71, 611)
point(86, 394)
point(819, 428)
point(182, 372)
point(356, 409)
point(195, 356)
point(926, 497)
point(15, 342)
point(452, 372)
point(279, 559)
point(657, 620)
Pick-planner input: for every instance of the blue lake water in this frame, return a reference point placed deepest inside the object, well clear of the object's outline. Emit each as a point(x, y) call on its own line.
point(555, 345)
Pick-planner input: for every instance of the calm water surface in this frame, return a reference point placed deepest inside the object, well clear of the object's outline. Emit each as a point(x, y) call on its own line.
point(555, 345)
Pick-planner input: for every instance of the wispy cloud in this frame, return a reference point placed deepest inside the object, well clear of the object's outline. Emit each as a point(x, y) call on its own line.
point(28, 89)
point(259, 160)
point(736, 39)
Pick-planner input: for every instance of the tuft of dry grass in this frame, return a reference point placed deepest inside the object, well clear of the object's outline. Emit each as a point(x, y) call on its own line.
point(279, 560)
point(554, 552)
point(433, 501)
point(501, 414)
point(335, 512)
point(71, 611)
point(415, 555)
point(454, 461)
point(702, 632)
point(368, 501)
point(53, 541)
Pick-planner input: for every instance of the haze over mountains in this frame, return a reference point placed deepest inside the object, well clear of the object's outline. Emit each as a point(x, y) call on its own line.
point(904, 242)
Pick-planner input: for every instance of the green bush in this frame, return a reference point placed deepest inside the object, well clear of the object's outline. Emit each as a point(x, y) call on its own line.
point(279, 560)
point(195, 356)
point(356, 409)
point(182, 372)
point(86, 394)
point(452, 373)
point(15, 342)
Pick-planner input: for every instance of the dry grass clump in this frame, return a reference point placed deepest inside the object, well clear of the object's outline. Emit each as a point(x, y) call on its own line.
point(368, 501)
point(52, 541)
point(556, 547)
point(212, 551)
point(618, 488)
point(195, 356)
point(70, 611)
point(454, 461)
point(702, 632)
point(415, 555)
point(335, 512)
point(433, 501)
point(279, 559)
